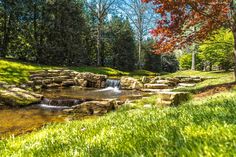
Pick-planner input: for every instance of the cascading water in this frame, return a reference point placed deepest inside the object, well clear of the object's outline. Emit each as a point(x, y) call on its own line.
point(112, 85)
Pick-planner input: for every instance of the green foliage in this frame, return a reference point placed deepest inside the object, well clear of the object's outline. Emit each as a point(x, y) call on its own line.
point(218, 49)
point(152, 61)
point(169, 63)
point(121, 45)
point(197, 128)
point(185, 62)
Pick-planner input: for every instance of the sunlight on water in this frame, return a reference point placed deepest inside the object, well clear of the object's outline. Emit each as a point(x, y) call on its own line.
point(112, 89)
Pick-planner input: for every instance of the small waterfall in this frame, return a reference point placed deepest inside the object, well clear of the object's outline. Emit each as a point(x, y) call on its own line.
point(113, 83)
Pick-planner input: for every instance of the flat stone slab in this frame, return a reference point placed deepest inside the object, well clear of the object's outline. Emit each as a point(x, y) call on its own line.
point(156, 86)
point(18, 97)
point(93, 107)
point(187, 84)
point(156, 90)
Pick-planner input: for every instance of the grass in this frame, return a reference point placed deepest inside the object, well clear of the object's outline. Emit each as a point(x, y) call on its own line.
point(100, 70)
point(16, 72)
point(197, 128)
point(113, 72)
point(216, 78)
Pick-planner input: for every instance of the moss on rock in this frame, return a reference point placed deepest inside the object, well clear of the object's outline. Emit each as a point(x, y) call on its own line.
point(18, 97)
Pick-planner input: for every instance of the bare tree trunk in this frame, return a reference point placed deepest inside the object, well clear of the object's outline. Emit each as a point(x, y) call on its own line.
point(139, 53)
point(99, 46)
point(193, 60)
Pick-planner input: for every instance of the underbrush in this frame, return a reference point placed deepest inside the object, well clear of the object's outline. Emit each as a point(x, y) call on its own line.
point(197, 128)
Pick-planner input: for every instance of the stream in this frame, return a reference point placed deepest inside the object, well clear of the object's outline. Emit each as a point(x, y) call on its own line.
point(16, 121)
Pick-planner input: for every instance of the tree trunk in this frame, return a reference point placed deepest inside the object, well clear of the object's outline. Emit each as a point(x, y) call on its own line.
point(99, 46)
point(234, 32)
point(5, 34)
point(139, 54)
point(193, 60)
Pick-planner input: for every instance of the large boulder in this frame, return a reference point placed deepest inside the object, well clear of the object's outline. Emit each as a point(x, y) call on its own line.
point(18, 97)
point(90, 80)
point(94, 107)
point(172, 98)
point(130, 83)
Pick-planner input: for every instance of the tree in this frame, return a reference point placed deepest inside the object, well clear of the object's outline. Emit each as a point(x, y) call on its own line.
point(177, 17)
point(152, 62)
point(123, 44)
point(185, 62)
point(142, 18)
point(217, 50)
point(99, 10)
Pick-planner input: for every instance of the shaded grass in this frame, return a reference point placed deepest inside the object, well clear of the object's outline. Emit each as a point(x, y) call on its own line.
point(197, 128)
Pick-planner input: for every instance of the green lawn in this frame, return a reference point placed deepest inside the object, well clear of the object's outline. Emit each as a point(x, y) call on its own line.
point(205, 127)
point(17, 72)
point(216, 78)
point(197, 128)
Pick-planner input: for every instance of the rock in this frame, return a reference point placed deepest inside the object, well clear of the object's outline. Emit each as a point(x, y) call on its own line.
point(18, 97)
point(172, 98)
point(53, 85)
point(157, 86)
point(149, 106)
point(93, 80)
point(62, 77)
point(155, 79)
point(187, 84)
point(156, 90)
point(167, 82)
point(94, 107)
point(145, 79)
point(2, 83)
point(68, 83)
point(130, 83)
point(62, 102)
point(81, 82)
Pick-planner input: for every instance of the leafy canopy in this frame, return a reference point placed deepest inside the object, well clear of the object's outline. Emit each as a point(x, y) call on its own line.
point(184, 21)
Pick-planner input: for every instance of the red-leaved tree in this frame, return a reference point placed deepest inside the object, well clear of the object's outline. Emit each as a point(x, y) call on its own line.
point(178, 18)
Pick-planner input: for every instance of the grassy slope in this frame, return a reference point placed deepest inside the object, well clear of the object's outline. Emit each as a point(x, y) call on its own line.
point(16, 72)
point(217, 78)
point(197, 128)
point(206, 127)
point(113, 72)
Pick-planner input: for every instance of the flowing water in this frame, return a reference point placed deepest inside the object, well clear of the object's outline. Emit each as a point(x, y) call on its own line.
point(91, 94)
point(22, 120)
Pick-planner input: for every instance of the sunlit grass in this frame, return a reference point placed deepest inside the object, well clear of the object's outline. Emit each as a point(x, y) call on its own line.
point(15, 72)
point(113, 72)
point(215, 78)
point(197, 128)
